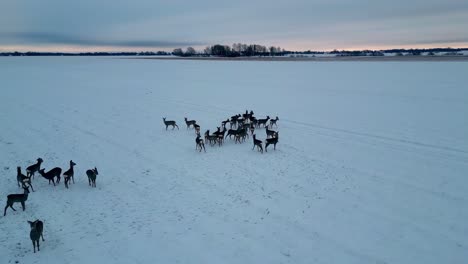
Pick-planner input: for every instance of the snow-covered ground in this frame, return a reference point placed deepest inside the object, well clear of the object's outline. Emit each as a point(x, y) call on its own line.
point(371, 165)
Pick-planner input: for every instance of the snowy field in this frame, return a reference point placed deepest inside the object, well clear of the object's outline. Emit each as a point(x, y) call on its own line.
point(371, 164)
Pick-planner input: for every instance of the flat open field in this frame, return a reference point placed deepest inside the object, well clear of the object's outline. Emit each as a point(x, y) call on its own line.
point(371, 164)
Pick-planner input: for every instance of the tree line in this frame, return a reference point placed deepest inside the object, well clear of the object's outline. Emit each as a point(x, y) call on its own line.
point(236, 50)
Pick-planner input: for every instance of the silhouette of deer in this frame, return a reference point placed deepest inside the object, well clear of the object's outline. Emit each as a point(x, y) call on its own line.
point(17, 198)
point(252, 128)
point(50, 175)
point(257, 143)
point(25, 180)
point(269, 133)
point(273, 122)
point(263, 121)
point(170, 123)
point(92, 173)
point(190, 123)
point(31, 170)
point(37, 228)
point(272, 141)
point(69, 174)
point(199, 143)
point(197, 129)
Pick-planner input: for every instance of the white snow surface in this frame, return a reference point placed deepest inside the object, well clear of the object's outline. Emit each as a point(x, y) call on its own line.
point(371, 164)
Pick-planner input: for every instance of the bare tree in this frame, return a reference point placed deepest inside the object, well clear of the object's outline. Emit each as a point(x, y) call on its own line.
point(190, 51)
point(178, 52)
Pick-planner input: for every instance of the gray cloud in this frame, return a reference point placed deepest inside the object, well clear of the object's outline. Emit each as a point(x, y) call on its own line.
point(315, 24)
point(50, 38)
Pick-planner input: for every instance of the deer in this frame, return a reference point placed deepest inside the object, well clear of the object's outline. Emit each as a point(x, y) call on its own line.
point(69, 174)
point(232, 132)
point(223, 123)
point(233, 121)
point(252, 128)
point(240, 137)
point(31, 170)
point(254, 121)
point(50, 175)
point(92, 176)
point(272, 141)
point(170, 123)
point(257, 143)
point(199, 143)
point(221, 137)
point(262, 121)
point(25, 180)
point(37, 228)
point(270, 133)
point(17, 198)
point(213, 139)
point(190, 123)
point(197, 129)
point(273, 122)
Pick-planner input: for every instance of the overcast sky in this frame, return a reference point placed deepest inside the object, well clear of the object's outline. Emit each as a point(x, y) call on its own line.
point(295, 24)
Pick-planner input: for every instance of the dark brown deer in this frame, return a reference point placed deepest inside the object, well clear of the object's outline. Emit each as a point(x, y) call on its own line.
point(190, 123)
point(170, 123)
point(92, 173)
point(37, 228)
point(69, 174)
point(50, 175)
point(257, 143)
point(263, 121)
point(197, 129)
point(273, 122)
point(272, 141)
point(199, 143)
point(31, 170)
point(25, 180)
point(17, 198)
point(269, 133)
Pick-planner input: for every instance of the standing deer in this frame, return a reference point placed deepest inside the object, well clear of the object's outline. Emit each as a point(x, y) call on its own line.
point(170, 123)
point(273, 122)
point(50, 175)
point(199, 143)
point(25, 180)
point(272, 141)
point(37, 227)
point(190, 123)
point(197, 129)
point(31, 170)
point(257, 143)
point(17, 198)
point(69, 174)
point(269, 133)
point(92, 176)
point(263, 121)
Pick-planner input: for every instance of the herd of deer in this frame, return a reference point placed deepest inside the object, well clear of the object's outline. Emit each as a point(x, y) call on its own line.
point(25, 181)
point(239, 128)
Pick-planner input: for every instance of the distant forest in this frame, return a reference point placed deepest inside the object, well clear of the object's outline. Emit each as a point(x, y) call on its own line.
point(245, 50)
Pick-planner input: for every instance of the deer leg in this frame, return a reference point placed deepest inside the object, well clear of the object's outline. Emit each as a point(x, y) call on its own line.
point(38, 248)
point(11, 206)
point(73, 178)
point(32, 188)
point(4, 212)
point(34, 246)
point(23, 205)
point(42, 237)
point(266, 147)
